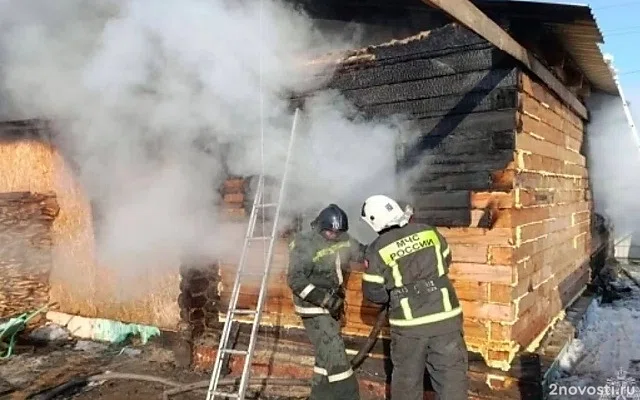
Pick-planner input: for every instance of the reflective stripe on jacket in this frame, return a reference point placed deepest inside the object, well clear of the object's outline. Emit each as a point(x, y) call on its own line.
point(408, 268)
point(317, 266)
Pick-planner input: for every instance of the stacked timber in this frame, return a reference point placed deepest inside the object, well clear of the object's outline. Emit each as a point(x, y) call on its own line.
point(198, 299)
point(496, 166)
point(551, 217)
point(233, 196)
point(25, 255)
point(461, 96)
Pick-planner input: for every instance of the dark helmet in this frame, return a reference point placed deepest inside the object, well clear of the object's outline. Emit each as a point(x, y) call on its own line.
point(332, 218)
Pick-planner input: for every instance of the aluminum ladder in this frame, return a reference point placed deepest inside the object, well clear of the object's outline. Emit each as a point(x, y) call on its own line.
point(233, 311)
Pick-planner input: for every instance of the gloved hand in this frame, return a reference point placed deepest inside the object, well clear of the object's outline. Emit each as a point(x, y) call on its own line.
point(333, 303)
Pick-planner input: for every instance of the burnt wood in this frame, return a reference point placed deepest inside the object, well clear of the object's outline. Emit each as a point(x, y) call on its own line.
point(469, 143)
point(492, 121)
point(457, 217)
point(434, 87)
point(454, 107)
point(443, 164)
point(443, 200)
point(471, 17)
point(450, 37)
point(401, 70)
point(448, 106)
point(477, 180)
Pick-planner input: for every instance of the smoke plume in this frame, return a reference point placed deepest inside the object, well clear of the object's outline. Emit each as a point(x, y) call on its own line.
point(613, 160)
point(156, 101)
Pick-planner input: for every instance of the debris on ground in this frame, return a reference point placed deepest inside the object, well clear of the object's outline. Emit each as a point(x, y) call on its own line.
point(606, 353)
point(83, 370)
point(103, 330)
point(50, 333)
point(89, 346)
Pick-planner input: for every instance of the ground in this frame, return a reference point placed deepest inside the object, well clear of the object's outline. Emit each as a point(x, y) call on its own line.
point(39, 368)
point(605, 355)
point(53, 365)
point(607, 351)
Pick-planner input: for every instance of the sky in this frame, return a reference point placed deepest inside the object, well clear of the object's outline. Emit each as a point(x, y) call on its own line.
point(619, 23)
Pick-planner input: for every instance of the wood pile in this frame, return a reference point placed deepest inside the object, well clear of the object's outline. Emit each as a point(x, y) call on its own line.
point(497, 166)
point(233, 193)
point(25, 251)
point(198, 299)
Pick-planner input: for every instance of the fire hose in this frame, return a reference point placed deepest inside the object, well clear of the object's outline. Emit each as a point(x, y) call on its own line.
point(177, 387)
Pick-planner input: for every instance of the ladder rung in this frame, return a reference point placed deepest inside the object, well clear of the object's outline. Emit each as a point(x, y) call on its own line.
point(223, 394)
point(244, 312)
point(245, 273)
point(260, 237)
point(233, 351)
point(266, 205)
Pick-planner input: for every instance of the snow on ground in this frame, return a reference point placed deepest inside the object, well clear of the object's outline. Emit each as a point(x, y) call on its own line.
point(606, 354)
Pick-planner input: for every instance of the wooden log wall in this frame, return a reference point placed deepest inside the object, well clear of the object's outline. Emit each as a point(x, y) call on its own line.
point(551, 216)
point(498, 169)
point(25, 250)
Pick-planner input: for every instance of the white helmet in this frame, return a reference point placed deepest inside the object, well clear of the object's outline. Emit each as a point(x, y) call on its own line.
point(381, 212)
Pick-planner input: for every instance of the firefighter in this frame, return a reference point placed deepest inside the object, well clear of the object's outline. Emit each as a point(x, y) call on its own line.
point(315, 275)
point(406, 268)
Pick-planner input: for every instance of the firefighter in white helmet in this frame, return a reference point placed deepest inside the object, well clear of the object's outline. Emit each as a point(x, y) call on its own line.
point(406, 267)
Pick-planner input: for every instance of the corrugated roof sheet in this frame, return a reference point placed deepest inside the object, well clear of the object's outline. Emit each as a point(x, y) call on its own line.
point(575, 26)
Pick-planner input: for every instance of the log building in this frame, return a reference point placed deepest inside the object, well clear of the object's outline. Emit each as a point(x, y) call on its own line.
point(502, 173)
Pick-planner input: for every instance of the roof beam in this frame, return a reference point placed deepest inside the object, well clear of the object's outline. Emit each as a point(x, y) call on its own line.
point(470, 16)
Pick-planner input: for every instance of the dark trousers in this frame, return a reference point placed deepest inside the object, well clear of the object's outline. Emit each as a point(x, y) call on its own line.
point(444, 356)
point(333, 378)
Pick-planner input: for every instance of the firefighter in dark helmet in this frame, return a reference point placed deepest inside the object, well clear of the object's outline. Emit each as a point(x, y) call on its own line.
point(406, 268)
point(315, 276)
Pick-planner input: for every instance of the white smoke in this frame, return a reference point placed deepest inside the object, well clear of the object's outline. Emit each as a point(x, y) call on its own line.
point(614, 162)
point(155, 99)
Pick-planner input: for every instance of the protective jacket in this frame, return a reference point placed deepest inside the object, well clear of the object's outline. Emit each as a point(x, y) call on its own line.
point(316, 267)
point(407, 267)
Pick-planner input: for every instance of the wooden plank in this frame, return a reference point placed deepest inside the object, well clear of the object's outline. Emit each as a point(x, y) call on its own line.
point(478, 180)
point(455, 217)
point(234, 198)
point(445, 40)
point(495, 236)
point(459, 105)
point(490, 121)
point(532, 180)
point(478, 81)
point(234, 185)
point(499, 332)
point(481, 272)
point(536, 162)
point(470, 16)
point(512, 217)
point(526, 142)
point(537, 128)
point(540, 228)
point(501, 255)
point(535, 270)
point(423, 65)
point(544, 96)
point(458, 143)
point(471, 291)
point(526, 249)
point(481, 200)
point(475, 329)
point(487, 311)
point(537, 317)
point(536, 110)
point(442, 200)
point(465, 163)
